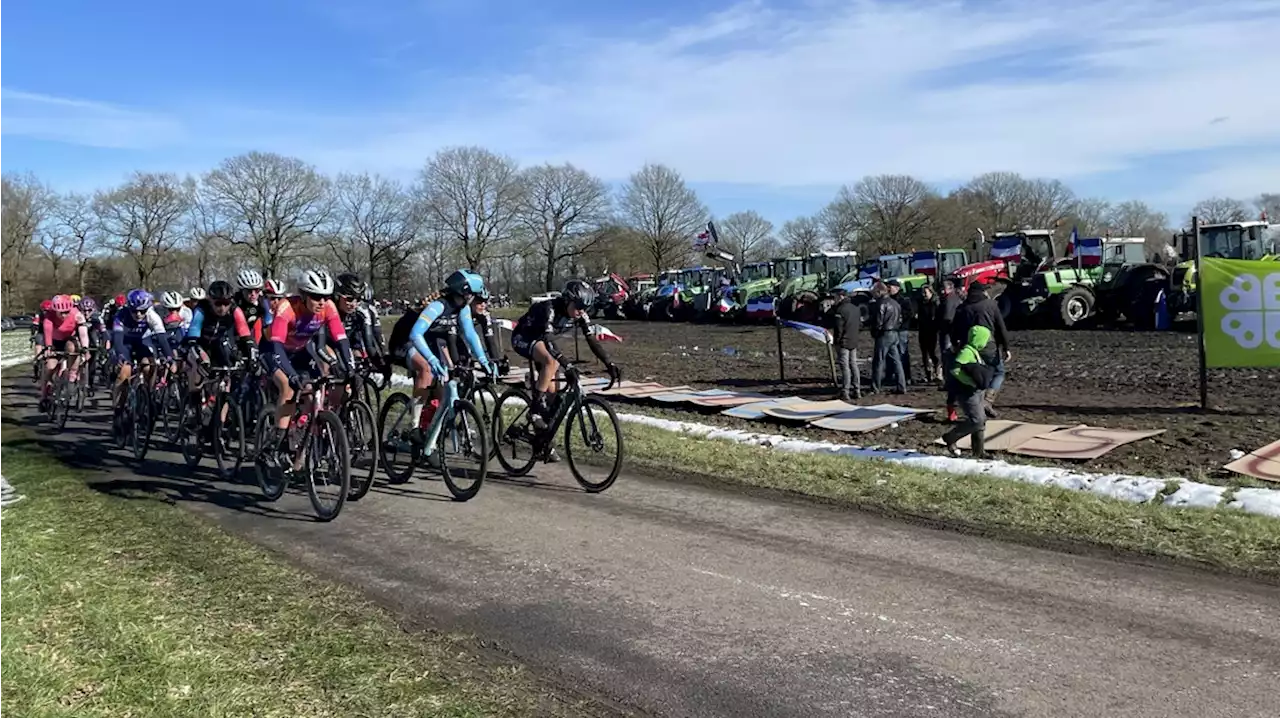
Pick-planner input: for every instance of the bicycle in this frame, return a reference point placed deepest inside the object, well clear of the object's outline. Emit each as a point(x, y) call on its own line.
point(362, 431)
point(215, 419)
point(419, 440)
point(57, 404)
point(134, 421)
point(478, 388)
point(310, 426)
point(171, 397)
point(571, 404)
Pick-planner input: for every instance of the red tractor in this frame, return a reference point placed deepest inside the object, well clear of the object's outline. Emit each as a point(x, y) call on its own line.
point(611, 293)
point(1014, 258)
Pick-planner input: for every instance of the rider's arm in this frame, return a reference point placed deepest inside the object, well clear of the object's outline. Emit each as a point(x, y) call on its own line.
point(46, 326)
point(338, 333)
point(451, 344)
point(375, 329)
point(196, 328)
point(418, 334)
point(159, 335)
point(280, 326)
point(82, 330)
point(488, 334)
point(117, 339)
point(585, 325)
point(472, 339)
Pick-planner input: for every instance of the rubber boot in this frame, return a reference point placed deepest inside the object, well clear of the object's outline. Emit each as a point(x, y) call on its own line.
point(952, 416)
point(987, 402)
point(978, 440)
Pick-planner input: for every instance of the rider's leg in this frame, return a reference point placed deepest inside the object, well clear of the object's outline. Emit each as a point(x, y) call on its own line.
point(284, 408)
point(422, 379)
point(545, 386)
point(122, 378)
point(73, 369)
point(46, 374)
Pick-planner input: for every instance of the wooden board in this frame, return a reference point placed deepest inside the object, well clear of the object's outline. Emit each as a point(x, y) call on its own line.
point(1261, 463)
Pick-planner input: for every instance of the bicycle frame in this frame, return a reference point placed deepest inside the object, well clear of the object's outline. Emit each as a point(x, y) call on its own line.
point(437, 419)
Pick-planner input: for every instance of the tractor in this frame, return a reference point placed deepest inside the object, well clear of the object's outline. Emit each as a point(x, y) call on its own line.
point(801, 297)
point(643, 291)
point(1104, 276)
point(753, 294)
point(1228, 240)
point(1015, 257)
point(611, 293)
point(665, 301)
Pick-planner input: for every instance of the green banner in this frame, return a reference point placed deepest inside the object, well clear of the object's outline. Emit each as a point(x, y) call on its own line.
point(1241, 303)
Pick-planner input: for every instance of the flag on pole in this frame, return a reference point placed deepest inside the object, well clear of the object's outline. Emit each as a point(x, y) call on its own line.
point(760, 307)
point(924, 263)
point(1071, 241)
point(1089, 251)
point(809, 330)
point(505, 324)
point(1006, 248)
point(602, 333)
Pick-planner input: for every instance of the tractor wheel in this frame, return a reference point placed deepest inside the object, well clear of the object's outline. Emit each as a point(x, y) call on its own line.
point(1074, 306)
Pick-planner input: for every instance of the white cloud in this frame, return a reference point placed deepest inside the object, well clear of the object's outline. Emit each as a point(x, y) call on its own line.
point(85, 122)
point(837, 90)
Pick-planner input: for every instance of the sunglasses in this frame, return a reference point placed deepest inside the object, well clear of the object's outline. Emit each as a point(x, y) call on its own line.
point(222, 302)
point(315, 297)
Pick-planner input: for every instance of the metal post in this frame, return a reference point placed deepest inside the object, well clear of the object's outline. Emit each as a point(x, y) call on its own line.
point(831, 357)
point(782, 369)
point(1204, 366)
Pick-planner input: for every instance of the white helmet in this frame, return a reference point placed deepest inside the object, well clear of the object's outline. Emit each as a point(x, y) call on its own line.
point(316, 281)
point(275, 288)
point(171, 300)
point(249, 279)
point(197, 293)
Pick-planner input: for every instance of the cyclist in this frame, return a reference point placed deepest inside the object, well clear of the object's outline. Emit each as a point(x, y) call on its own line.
point(89, 308)
point(533, 338)
point(420, 359)
point(137, 334)
point(207, 340)
point(194, 296)
point(251, 302)
point(273, 290)
point(175, 325)
point(293, 329)
point(360, 320)
point(37, 323)
point(484, 327)
point(64, 330)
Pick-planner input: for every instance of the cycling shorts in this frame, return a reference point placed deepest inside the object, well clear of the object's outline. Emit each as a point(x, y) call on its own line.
point(301, 361)
point(139, 350)
point(523, 345)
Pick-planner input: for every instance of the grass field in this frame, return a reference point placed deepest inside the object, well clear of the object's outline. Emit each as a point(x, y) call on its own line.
point(119, 607)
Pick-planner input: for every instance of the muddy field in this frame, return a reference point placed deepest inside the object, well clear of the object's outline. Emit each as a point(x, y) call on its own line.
point(1113, 379)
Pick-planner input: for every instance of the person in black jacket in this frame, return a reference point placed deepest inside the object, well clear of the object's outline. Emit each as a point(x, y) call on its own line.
point(979, 309)
point(846, 322)
point(886, 319)
point(927, 327)
point(950, 302)
point(907, 314)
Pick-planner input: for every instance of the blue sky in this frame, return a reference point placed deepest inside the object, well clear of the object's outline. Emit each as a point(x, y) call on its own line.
point(761, 105)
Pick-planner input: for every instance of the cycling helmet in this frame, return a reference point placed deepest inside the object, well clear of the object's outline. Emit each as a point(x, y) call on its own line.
point(463, 282)
point(196, 294)
point(62, 303)
point(75, 298)
point(316, 282)
point(171, 300)
point(578, 293)
point(274, 287)
point(120, 299)
point(88, 305)
point(139, 299)
point(46, 305)
point(249, 279)
point(220, 291)
point(351, 285)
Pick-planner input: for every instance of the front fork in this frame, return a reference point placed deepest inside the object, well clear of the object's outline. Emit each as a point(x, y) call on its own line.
point(437, 420)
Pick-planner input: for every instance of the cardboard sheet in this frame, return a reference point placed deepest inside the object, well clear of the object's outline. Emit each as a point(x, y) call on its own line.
point(808, 410)
point(679, 397)
point(627, 384)
point(866, 418)
point(1004, 435)
point(640, 392)
point(1081, 442)
point(731, 399)
point(755, 410)
point(1261, 463)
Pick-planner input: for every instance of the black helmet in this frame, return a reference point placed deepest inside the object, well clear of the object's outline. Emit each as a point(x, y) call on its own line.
point(350, 285)
point(463, 282)
point(221, 290)
point(578, 293)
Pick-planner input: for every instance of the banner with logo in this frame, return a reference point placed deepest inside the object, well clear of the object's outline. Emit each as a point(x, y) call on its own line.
point(1241, 303)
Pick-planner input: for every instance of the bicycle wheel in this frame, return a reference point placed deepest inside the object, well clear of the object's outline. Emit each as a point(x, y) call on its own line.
point(228, 437)
point(362, 434)
point(266, 461)
point(172, 406)
point(328, 465)
point(512, 431)
point(122, 417)
point(187, 432)
point(399, 445)
point(595, 423)
point(62, 400)
point(462, 438)
point(140, 437)
point(485, 399)
point(371, 396)
point(80, 392)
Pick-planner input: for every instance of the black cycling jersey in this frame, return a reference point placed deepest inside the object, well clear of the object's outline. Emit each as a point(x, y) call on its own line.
point(400, 332)
point(544, 321)
point(485, 329)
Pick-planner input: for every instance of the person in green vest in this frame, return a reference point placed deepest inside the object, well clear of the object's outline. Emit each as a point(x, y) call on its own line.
point(969, 379)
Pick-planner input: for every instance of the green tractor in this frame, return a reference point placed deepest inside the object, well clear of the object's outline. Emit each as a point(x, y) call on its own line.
point(800, 296)
point(1107, 277)
point(753, 294)
point(1228, 240)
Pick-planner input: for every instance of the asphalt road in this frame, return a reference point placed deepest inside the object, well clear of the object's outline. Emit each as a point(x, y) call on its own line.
point(672, 599)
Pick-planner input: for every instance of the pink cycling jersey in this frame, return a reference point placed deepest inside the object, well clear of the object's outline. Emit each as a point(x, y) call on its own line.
point(293, 326)
point(60, 329)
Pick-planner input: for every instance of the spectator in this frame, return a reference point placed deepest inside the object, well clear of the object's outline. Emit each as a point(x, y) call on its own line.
point(906, 314)
point(951, 300)
point(969, 376)
point(846, 322)
point(927, 326)
point(886, 320)
point(979, 310)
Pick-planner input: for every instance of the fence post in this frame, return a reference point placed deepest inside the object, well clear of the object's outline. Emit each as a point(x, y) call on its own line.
point(782, 367)
point(1204, 366)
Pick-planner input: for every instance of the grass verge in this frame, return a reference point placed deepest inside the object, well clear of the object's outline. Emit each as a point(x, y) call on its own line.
point(1222, 539)
point(115, 607)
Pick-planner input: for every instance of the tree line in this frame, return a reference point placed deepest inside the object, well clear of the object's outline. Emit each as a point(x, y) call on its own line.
point(524, 228)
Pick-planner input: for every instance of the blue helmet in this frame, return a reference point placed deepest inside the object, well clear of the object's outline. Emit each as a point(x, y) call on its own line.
point(464, 282)
point(139, 299)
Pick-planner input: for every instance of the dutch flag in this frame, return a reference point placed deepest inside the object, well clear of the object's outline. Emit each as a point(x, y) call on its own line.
point(602, 333)
point(924, 263)
point(1006, 248)
point(813, 332)
point(760, 306)
point(1089, 250)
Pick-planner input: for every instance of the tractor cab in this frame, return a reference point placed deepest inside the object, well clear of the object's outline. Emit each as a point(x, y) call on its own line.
point(938, 262)
point(831, 267)
point(1030, 249)
point(755, 272)
point(1240, 240)
point(640, 283)
point(886, 266)
point(789, 268)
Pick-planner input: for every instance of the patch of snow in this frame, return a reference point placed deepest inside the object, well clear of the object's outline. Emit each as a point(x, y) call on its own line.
point(1196, 495)
point(13, 361)
point(1257, 501)
point(1236, 454)
point(8, 494)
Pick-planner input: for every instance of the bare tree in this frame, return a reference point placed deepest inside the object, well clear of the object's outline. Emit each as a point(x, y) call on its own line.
point(745, 234)
point(142, 220)
point(889, 211)
point(1046, 203)
point(80, 231)
point(1092, 216)
point(1219, 209)
point(271, 205)
point(562, 208)
point(802, 236)
point(1135, 219)
point(25, 208)
point(664, 212)
point(377, 222)
point(996, 200)
point(1269, 204)
point(472, 195)
point(839, 221)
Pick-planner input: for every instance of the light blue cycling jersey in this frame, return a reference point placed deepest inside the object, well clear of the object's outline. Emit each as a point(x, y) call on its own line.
point(435, 310)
